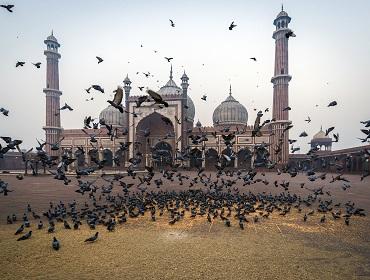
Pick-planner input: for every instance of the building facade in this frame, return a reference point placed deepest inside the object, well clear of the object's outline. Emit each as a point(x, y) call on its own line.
point(160, 135)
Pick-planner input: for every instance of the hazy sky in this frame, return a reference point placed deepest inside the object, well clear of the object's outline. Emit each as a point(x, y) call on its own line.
point(329, 59)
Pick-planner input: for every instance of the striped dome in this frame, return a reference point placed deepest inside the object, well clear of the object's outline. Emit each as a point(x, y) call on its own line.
point(113, 116)
point(230, 112)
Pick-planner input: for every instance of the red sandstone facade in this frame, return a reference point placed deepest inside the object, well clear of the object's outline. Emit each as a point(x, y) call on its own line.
point(52, 92)
point(279, 140)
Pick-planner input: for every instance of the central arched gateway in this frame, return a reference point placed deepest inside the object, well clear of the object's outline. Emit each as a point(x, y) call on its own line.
point(155, 133)
point(195, 158)
point(162, 155)
point(244, 158)
point(211, 158)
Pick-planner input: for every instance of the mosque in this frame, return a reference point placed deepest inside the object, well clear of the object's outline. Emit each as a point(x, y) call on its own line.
point(179, 137)
point(167, 140)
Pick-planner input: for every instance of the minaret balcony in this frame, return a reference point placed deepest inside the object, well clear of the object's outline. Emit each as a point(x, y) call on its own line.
point(281, 79)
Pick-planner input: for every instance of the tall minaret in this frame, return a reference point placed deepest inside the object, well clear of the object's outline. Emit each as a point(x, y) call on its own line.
point(52, 92)
point(281, 83)
point(127, 88)
point(184, 109)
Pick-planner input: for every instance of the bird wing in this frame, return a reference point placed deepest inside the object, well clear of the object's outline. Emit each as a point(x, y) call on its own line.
point(118, 96)
point(154, 95)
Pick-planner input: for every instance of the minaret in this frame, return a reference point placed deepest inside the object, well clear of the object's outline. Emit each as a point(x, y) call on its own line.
point(184, 122)
point(281, 83)
point(127, 88)
point(52, 92)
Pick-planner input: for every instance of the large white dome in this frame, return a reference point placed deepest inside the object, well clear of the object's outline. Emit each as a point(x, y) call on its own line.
point(230, 112)
point(113, 116)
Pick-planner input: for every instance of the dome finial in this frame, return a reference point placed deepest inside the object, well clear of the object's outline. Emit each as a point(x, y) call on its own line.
point(321, 128)
point(282, 7)
point(171, 73)
point(52, 32)
point(230, 90)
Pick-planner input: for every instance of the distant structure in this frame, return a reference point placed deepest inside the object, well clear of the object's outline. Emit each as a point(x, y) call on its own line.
point(321, 141)
point(52, 127)
point(281, 84)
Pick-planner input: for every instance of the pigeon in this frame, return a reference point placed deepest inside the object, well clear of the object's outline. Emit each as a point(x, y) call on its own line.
point(100, 60)
point(88, 90)
point(141, 88)
point(253, 58)
point(157, 98)
point(329, 130)
point(66, 106)
point(366, 123)
point(168, 59)
point(55, 244)
point(290, 34)
point(20, 63)
point(308, 120)
point(333, 103)
point(26, 236)
point(4, 111)
point(204, 97)
point(232, 25)
point(92, 238)
point(117, 100)
point(8, 7)
point(141, 100)
point(98, 88)
point(172, 23)
point(287, 109)
point(303, 134)
point(19, 230)
point(37, 64)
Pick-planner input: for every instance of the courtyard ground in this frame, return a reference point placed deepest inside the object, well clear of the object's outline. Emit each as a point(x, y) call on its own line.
point(274, 248)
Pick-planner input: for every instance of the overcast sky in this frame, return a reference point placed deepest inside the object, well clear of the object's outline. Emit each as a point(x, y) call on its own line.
point(329, 59)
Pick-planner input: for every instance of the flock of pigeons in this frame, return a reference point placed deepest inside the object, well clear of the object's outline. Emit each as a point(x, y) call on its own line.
point(216, 198)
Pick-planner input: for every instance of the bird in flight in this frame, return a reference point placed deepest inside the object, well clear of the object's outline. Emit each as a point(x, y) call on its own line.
point(253, 58)
point(290, 34)
point(100, 60)
point(8, 7)
point(141, 100)
point(157, 98)
point(98, 88)
point(172, 23)
point(329, 130)
point(204, 97)
point(232, 25)
point(4, 111)
point(333, 103)
point(66, 106)
point(168, 59)
point(308, 120)
point(117, 100)
point(37, 64)
point(20, 63)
